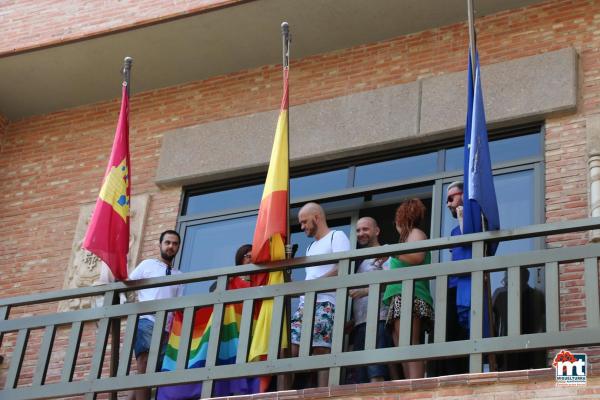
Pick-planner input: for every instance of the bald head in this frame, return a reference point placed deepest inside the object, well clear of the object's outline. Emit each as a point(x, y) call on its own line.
point(312, 209)
point(313, 221)
point(367, 232)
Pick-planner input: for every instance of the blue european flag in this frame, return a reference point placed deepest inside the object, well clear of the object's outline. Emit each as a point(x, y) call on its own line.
point(479, 193)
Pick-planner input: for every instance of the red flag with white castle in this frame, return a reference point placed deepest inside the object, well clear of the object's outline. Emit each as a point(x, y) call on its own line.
point(107, 235)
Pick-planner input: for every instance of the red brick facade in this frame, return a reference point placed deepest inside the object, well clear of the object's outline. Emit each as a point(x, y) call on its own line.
point(30, 24)
point(52, 164)
point(532, 384)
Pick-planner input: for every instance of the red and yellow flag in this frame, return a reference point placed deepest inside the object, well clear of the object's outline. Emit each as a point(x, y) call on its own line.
point(271, 230)
point(107, 235)
point(271, 225)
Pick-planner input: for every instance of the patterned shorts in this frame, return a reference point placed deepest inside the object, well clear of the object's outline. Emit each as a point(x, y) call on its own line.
point(420, 309)
point(322, 328)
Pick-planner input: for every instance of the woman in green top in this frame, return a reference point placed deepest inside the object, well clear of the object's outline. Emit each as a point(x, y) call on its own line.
point(409, 216)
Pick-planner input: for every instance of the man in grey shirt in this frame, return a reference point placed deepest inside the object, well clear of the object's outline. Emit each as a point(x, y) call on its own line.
point(367, 235)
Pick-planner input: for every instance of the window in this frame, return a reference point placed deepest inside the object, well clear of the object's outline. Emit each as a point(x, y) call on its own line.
point(214, 222)
point(396, 170)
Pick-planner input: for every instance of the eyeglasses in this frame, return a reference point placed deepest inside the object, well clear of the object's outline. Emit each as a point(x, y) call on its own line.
point(450, 198)
point(249, 255)
point(168, 271)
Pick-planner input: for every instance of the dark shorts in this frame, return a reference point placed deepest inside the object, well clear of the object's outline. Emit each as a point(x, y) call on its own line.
point(384, 339)
point(143, 336)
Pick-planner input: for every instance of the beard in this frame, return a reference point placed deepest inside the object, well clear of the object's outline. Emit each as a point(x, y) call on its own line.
point(166, 256)
point(362, 243)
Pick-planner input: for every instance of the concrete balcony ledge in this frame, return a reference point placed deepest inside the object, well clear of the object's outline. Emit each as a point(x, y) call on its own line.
point(533, 383)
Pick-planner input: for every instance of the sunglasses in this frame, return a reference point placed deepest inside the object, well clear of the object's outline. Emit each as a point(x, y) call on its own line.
point(450, 198)
point(248, 255)
point(168, 271)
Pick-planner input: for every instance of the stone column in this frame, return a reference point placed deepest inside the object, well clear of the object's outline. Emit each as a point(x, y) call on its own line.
point(593, 159)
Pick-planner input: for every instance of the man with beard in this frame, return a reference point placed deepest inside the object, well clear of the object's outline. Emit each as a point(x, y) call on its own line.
point(314, 224)
point(367, 235)
point(152, 268)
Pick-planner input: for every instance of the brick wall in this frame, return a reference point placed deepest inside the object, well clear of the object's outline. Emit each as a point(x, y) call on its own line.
point(52, 164)
point(532, 384)
point(28, 24)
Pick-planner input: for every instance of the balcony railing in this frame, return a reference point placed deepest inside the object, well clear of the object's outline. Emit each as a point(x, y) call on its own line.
point(110, 317)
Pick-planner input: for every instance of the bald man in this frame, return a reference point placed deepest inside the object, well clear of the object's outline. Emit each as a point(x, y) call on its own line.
point(367, 235)
point(314, 224)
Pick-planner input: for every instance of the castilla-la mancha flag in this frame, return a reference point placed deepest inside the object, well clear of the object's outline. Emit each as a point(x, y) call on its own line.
point(270, 233)
point(107, 235)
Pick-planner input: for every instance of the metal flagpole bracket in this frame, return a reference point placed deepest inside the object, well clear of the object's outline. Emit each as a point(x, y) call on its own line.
point(126, 72)
point(287, 39)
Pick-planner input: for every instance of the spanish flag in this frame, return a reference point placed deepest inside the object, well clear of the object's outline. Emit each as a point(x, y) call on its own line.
point(271, 229)
point(107, 235)
point(271, 225)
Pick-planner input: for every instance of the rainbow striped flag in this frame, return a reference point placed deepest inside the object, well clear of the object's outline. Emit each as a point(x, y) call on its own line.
point(232, 315)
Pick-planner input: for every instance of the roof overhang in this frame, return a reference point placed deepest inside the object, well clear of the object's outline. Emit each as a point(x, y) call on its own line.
point(213, 43)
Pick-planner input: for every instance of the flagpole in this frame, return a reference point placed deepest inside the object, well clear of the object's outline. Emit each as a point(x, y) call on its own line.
point(116, 322)
point(487, 288)
point(285, 37)
point(284, 381)
point(472, 37)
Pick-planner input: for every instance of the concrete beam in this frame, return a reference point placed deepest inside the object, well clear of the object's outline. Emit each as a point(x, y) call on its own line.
point(525, 89)
point(517, 91)
point(322, 130)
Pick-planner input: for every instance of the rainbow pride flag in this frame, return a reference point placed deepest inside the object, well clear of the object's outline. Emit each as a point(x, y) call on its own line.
point(229, 339)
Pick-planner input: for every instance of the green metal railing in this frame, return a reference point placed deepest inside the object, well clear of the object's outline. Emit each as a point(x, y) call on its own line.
point(111, 315)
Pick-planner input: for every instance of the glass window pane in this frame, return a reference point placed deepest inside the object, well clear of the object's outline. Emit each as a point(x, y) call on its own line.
point(213, 245)
point(501, 150)
point(395, 170)
point(320, 183)
point(224, 200)
point(402, 194)
point(515, 204)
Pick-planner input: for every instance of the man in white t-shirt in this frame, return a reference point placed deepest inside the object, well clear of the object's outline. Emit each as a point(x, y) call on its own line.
point(314, 224)
point(367, 235)
point(152, 268)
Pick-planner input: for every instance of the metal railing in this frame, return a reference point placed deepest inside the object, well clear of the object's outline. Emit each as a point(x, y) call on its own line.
point(110, 316)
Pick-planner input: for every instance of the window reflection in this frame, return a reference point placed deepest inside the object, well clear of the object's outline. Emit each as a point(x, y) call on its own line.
point(224, 200)
point(395, 170)
point(501, 150)
point(213, 245)
point(320, 183)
